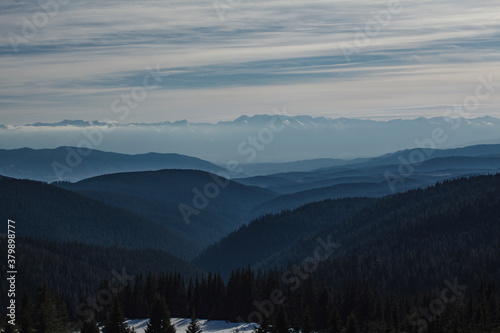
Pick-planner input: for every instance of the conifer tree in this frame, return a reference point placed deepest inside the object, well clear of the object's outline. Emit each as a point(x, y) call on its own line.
point(90, 327)
point(138, 299)
point(159, 321)
point(194, 326)
point(281, 322)
point(334, 322)
point(265, 327)
point(305, 326)
point(115, 322)
point(352, 324)
point(47, 318)
point(26, 314)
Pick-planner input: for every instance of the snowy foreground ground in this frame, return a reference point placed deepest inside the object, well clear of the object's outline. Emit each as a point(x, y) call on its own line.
point(181, 325)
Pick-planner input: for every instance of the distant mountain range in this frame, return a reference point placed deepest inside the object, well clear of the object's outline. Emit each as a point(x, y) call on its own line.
point(124, 181)
point(259, 139)
point(391, 173)
point(212, 207)
point(73, 164)
point(410, 162)
point(68, 164)
point(263, 119)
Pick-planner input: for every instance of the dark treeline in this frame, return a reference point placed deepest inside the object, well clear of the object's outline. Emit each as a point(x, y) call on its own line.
point(313, 304)
point(72, 269)
point(264, 298)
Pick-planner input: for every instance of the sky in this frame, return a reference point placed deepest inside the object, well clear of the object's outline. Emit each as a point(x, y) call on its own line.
point(213, 60)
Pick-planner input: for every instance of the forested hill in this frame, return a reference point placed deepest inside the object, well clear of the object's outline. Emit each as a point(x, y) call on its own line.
point(46, 211)
point(73, 269)
point(402, 241)
point(271, 234)
point(413, 241)
point(212, 206)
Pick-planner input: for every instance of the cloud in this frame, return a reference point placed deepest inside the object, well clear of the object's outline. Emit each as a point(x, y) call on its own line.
point(262, 55)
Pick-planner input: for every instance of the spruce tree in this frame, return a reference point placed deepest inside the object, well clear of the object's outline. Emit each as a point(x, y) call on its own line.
point(265, 327)
point(26, 314)
point(47, 317)
point(90, 327)
point(305, 326)
point(352, 324)
point(115, 322)
point(138, 299)
point(194, 326)
point(62, 311)
point(159, 321)
point(334, 322)
point(281, 322)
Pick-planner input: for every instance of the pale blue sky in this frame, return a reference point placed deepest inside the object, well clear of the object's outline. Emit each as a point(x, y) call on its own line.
point(262, 55)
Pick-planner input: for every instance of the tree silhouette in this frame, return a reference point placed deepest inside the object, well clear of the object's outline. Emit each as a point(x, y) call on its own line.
point(159, 321)
point(90, 327)
point(115, 322)
point(194, 326)
point(281, 322)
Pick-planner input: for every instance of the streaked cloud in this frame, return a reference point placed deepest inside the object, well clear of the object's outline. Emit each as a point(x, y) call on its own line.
point(264, 54)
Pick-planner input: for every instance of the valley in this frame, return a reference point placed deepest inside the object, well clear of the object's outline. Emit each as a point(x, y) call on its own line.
point(313, 234)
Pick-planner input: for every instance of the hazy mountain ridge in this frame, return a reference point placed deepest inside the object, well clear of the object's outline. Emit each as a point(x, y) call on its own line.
point(263, 119)
point(39, 164)
point(375, 177)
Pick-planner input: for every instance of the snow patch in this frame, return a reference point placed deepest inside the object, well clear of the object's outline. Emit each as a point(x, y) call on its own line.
point(207, 326)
